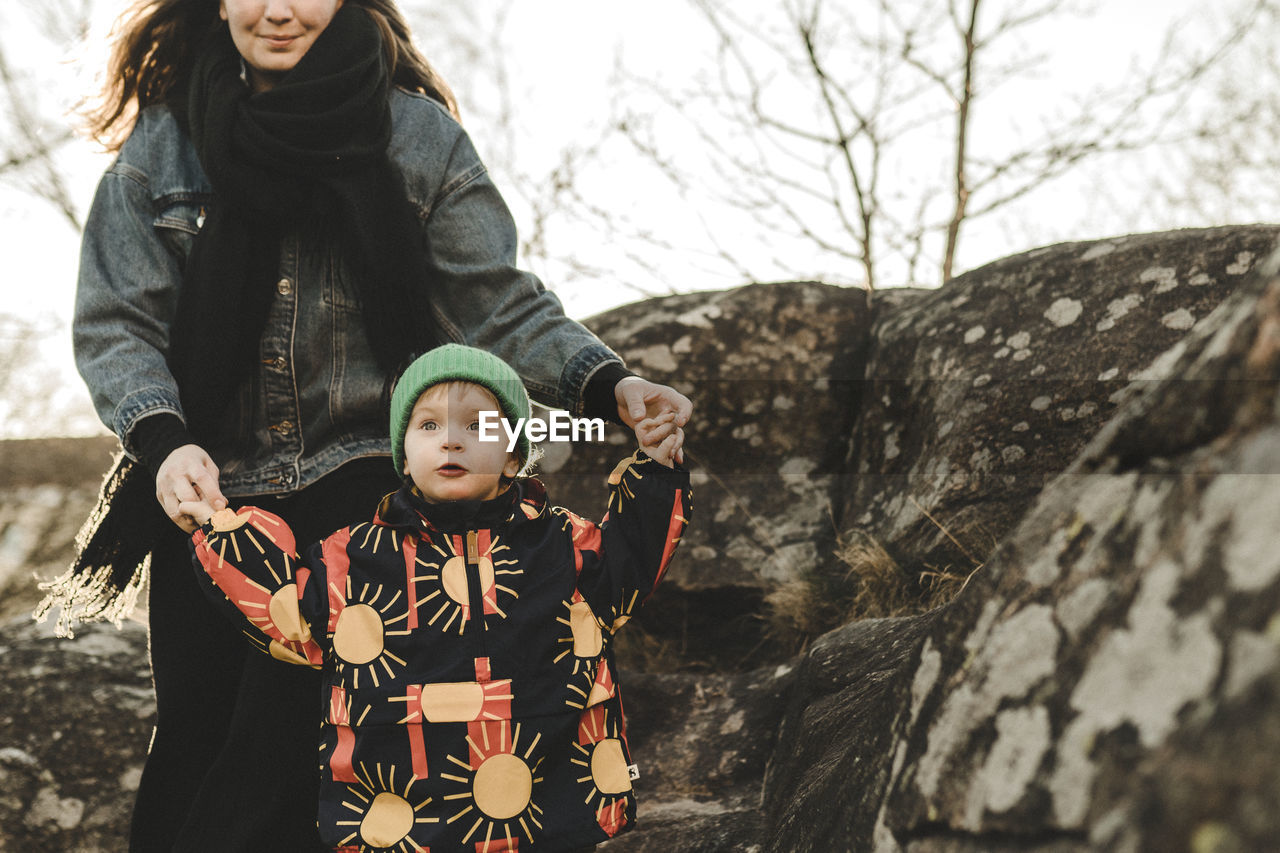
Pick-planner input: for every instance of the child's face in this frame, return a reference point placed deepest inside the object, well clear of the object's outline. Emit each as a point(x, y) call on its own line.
point(442, 448)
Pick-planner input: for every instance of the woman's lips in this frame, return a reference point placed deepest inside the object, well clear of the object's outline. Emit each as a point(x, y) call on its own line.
point(280, 41)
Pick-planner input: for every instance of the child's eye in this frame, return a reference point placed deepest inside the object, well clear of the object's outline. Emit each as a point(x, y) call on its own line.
point(428, 425)
point(474, 425)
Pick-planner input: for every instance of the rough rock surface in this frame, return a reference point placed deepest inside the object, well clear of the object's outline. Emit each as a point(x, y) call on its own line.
point(1108, 680)
point(980, 391)
point(773, 370)
point(75, 721)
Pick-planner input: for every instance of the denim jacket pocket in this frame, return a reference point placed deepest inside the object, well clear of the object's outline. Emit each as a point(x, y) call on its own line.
point(178, 221)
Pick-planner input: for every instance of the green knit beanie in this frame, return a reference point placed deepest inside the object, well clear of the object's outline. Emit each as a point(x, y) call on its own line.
point(455, 362)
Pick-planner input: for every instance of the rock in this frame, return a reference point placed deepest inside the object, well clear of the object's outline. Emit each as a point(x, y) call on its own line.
point(979, 392)
point(1110, 679)
point(75, 719)
point(699, 774)
point(50, 813)
point(773, 371)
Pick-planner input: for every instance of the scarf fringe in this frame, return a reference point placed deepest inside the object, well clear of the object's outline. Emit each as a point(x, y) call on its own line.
point(113, 554)
point(90, 598)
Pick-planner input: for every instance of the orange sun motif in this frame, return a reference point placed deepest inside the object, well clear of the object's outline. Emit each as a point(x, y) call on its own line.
point(603, 688)
point(584, 534)
point(360, 631)
point(339, 759)
point(618, 478)
point(448, 595)
point(385, 814)
point(584, 640)
point(498, 801)
point(285, 635)
point(620, 614)
point(453, 702)
point(606, 775)
point(461, 701)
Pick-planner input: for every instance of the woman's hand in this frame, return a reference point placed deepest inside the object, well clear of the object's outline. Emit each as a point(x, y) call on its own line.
point(639, 400)
point(188, 476)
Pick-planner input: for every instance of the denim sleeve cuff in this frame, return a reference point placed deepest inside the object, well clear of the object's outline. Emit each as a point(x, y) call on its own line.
point(578, 373)
point(143, 403)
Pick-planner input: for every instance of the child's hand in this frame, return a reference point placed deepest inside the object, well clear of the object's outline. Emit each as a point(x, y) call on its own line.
point(639, 399)
point(201, 510)
point(660, 438)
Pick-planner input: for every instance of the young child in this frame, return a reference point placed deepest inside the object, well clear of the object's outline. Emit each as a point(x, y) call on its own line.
point(465, 632)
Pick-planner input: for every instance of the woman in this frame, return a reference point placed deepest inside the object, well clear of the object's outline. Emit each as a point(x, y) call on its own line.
point(293, 174)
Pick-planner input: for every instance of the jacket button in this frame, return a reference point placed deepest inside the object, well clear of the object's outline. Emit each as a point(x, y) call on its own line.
point(280, 362)
point(283, 426)
point(284, 287)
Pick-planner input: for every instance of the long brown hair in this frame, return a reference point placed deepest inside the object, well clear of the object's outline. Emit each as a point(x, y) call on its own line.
point(153, 47)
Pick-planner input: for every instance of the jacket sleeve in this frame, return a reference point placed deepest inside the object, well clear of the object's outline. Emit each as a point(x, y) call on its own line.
point(247, 563)
point(489, 302)
point(125, 298)
point(624, 558)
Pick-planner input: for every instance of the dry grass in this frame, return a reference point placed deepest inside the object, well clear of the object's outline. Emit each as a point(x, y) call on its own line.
point(799, 612)
point(881, 587)
point(874, 585)
point(943, 585)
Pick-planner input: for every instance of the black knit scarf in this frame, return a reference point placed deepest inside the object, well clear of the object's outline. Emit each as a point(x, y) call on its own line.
point(308, 158)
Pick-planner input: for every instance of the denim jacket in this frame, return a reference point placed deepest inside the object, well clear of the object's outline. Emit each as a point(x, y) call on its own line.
point(316, 401)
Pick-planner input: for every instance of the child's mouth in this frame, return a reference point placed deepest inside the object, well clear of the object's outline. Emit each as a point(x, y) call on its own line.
point(451, 469)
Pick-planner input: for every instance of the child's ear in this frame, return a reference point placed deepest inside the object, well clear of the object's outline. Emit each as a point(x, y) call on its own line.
point(512, 467)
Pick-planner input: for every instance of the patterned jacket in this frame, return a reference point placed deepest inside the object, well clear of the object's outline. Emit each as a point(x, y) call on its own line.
point(471, 700)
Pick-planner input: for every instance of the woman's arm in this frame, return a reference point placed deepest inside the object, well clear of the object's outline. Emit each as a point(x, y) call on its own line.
point(487, 301)
point(125, 298)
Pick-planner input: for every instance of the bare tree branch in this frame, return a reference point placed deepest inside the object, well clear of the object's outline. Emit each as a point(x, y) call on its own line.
point(34, 146)
point(962, 142)
point(32, 142)
point(826, 107)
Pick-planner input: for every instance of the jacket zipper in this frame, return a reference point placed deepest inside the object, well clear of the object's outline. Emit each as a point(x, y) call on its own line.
point(475, 592)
